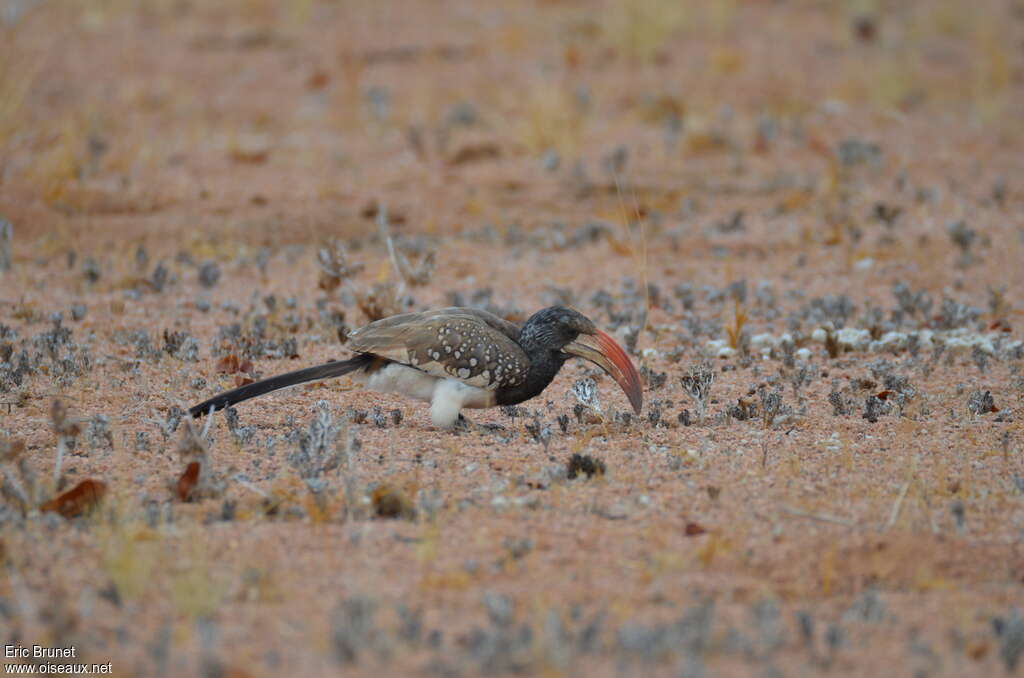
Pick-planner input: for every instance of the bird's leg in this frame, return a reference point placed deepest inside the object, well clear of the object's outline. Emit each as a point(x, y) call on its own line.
point(461, 424)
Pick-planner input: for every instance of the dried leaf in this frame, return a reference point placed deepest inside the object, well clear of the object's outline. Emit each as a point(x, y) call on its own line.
point(188, 481)
point(318, 79)
point(250, 149)
point(694, 529)
point(79, 500)
point(392, 502)
point(475, 153)
point(229, 364)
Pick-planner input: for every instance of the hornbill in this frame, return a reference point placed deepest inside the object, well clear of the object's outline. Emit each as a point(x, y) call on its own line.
point(460, 357)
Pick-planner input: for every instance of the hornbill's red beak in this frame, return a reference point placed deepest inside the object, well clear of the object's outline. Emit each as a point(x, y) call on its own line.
point(601, 349)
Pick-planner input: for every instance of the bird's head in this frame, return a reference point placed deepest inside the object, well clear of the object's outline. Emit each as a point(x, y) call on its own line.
point(561, 329)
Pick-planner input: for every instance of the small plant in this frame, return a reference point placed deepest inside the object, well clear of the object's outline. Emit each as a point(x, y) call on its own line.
point(585, 391)
point(20, 487)
point(320, 448)
point(875, 407)
point(197, 481)
point(980, 358)
point(963, 236)
point(1010, 632)
point(353, 630)
point(998, 305)
point(335, 266)
point(6, 236)
point(799, 377)
point(209, 274)
point(652, 379)
point(735, 330)
point(981, 402)
point(414, 264)
point(697, 384)
point(585, 464)
point(832, 346)
point(539, 431)
point(917, 305)
point(841, 407)
point(67, 429)
point(91, 270)
point(771, 405)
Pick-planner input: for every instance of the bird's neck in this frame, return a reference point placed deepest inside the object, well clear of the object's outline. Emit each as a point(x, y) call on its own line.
point(544, 365)
point(532, 339)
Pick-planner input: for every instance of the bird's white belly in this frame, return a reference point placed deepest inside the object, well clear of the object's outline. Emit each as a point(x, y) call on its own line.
point(408, 381)
point(446, 396)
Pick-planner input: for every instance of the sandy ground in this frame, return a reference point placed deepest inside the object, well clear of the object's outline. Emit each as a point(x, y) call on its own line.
point(821, 203)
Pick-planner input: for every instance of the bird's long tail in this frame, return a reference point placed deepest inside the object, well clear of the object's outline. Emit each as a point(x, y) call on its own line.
point(336, 368)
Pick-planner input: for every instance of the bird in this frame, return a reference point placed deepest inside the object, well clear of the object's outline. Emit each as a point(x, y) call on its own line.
point(456, 358)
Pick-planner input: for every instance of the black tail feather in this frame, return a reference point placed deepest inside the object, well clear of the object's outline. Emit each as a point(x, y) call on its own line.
point(258, 388)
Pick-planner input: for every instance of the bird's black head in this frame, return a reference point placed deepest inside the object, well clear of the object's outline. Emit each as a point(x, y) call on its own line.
point(553, 328)
point(553, 335)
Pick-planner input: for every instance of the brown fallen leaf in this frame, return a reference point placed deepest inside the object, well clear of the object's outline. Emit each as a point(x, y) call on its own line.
point(188, 480)
point(79, 500)
point(475, 153)
point(231, 364)
point(318, 79)
point(371, 209)
point(228, 364)
point(978, 650)
point(251, 149)
point(392, 502)
point(694, 529)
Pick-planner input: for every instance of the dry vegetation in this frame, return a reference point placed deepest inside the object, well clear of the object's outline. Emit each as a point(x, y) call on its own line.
point(803, 218)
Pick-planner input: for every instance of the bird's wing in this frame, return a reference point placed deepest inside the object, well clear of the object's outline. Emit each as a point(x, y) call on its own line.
point(451, 343)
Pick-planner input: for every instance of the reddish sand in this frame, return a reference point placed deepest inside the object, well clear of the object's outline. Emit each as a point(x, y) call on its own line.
point(176, 169)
